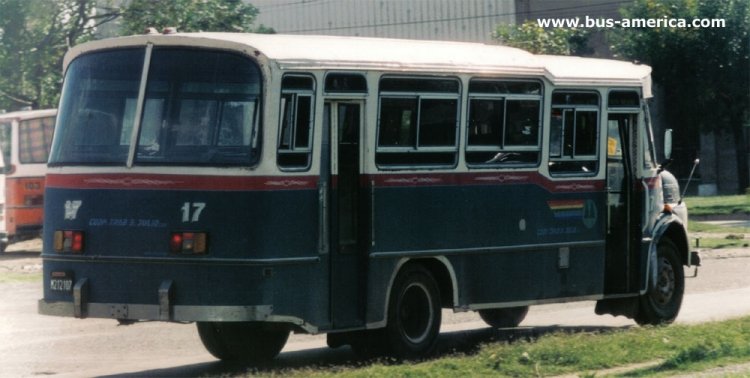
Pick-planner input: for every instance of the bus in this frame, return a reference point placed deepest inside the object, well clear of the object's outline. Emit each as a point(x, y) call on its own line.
point(262, 184)
point(25, 141)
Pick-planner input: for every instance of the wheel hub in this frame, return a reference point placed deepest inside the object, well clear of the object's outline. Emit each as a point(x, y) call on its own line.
point(665, 284)
point(416, 314)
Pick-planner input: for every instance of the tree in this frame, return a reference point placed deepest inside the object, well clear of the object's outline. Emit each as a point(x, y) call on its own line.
point(703, 72)
point(34, 36)
point(531, 37)
point(190, 16)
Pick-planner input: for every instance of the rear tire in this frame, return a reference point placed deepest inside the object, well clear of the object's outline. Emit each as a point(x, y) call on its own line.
point(414, 314)
point(504, 317)
point(254, 342)
point(662, 302)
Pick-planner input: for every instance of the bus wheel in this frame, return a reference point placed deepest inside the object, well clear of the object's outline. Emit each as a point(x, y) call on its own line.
point(504, 317)
point(413, 314)
point(662, 301)
point(243, 341)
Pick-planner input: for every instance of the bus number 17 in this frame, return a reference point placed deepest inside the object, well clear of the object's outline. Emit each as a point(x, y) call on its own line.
point(195, 207)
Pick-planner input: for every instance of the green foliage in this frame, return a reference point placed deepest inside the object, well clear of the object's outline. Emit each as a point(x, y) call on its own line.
point(34, 36)
point(718, 205)
point(702, 72)
point(531, 37)
point(664, 349)
point(190, 16)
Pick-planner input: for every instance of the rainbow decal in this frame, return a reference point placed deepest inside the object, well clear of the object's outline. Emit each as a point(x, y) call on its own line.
point(567, 209)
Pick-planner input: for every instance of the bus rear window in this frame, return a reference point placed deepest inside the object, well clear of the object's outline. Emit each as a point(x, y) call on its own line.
point(200, 108)
point(5, 142)
point(34, 139)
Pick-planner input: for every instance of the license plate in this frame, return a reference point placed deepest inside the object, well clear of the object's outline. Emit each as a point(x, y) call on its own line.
point(61, 281)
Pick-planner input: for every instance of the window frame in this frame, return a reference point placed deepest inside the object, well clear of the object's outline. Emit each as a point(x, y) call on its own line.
point(45, 132)
point(573, 157)
point(293, 149)
point(416, 147)
point(345, 92)
point(502, 145)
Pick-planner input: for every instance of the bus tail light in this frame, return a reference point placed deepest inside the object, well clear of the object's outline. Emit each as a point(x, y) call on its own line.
point(191, 243)
point(69, 241)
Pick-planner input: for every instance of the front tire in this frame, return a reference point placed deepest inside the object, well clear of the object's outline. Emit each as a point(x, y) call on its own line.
point(504, 317)
point(254, 342)
point(414, 314)
point(662, 302)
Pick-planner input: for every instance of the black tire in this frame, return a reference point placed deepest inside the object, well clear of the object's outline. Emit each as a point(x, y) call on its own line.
point(662, 302)
point(504, 317)
point(254, 342)
point(414, 314)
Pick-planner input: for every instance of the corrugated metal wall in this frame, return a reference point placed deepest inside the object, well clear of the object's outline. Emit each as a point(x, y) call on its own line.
point(457, 20)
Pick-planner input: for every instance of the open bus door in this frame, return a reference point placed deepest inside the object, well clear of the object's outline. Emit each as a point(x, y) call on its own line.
point(622, 208)
point(343, 120)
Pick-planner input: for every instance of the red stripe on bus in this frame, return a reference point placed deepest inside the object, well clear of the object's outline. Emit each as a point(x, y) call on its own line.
point(180, 182)
point(234, 183)
point(471, 179)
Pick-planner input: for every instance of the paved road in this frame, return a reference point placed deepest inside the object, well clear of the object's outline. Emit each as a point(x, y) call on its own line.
point(34, 345)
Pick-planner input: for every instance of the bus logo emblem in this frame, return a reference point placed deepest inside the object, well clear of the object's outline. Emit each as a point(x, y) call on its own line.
point(71, 209)
point(589, 214)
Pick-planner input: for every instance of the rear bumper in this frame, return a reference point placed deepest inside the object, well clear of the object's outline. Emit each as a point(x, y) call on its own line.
point(99, 292)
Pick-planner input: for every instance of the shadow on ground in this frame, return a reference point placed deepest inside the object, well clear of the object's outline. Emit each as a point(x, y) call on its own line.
point(449, 343)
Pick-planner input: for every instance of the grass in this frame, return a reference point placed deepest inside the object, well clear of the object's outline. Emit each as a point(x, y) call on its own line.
point(676, 348)
point(717, 236)
point(719, 243)
point(719, 205)
point(10, 277)
point(704, 227)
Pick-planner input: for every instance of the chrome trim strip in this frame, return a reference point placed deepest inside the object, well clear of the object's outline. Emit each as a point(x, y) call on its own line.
point(484, 250)
point(179, 313)
point(483, 306)
point(182, 260)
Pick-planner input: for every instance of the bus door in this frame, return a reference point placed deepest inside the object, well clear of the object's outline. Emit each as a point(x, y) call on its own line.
point(621, 259)
point(346, 214)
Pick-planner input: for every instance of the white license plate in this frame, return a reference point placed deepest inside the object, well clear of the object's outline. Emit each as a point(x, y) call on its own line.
point(61, 281)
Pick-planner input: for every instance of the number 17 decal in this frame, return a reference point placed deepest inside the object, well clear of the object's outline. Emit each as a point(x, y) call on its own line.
point(194, 208)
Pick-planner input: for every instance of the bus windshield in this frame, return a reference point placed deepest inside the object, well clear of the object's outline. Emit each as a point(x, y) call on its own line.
point(200, 108)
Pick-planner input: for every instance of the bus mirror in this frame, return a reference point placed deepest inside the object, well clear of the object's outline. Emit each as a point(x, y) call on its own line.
point(668, 144)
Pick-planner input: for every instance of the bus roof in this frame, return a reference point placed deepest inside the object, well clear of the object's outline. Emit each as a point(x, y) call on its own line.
point(22, 115)
point(358, 53)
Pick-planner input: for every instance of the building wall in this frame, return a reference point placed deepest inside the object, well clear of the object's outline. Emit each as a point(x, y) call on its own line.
point(453, 20)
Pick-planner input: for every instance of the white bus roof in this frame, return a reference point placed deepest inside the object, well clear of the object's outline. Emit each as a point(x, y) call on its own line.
point(22, 115)
point(357, 53)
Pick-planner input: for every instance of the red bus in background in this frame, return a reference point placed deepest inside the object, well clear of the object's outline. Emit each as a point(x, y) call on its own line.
point(25, 140)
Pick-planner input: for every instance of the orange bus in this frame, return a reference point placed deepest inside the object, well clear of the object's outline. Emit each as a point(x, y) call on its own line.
point(25, 140)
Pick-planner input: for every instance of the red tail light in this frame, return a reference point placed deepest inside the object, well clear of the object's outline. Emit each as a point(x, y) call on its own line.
point(188, 243)
point(69, 241)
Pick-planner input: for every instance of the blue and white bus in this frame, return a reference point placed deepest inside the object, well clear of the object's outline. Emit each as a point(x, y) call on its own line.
point(262, 184)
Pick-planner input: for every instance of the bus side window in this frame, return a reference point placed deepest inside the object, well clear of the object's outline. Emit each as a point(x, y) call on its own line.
point(503, 123)
point(418, 122)
point(574, 133)
point(296, 117)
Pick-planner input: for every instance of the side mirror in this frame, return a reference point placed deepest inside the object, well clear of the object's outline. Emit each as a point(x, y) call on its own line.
point(668, 144)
